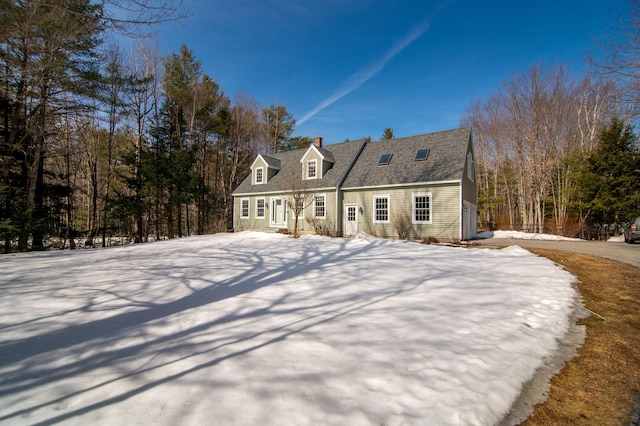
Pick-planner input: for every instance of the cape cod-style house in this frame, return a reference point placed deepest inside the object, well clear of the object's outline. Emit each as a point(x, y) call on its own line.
point(414, 187)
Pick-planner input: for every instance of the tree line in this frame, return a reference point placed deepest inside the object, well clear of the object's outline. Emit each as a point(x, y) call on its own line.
point(98, 142)
point(557, 153)
point(554, 154)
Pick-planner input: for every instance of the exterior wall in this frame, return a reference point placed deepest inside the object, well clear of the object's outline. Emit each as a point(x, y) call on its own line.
point(312, 154)
point(270, 173)
point(306, 223)
point(469, 200)
point(469, 186)
point(445, 210)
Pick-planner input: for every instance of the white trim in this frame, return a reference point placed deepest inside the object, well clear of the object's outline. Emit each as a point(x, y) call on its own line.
point(314, 148)
point(345, 218)
point(413, 208)
point(255, 176)
point(266, 163)
point(264, 208)
point(283, 200)
point(461, 212)
point(473, 218)
point(373, 216)
point(259, 157)
point(399, 185)
point(305, 172)
point(327, 188)
point(315, 196)
point(248, 200)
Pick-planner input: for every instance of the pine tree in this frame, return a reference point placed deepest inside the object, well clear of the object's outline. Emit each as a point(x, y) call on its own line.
point(278, 124)
point(387, 134)
point(609, 183)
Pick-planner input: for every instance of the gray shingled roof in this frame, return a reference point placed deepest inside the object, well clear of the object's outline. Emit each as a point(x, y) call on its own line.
point(341, 154)
point(446, 161)
point(273, 163)
point(328, 155)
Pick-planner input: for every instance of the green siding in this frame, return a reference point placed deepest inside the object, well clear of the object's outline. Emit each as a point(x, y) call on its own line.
point(445, 210)
point(306, 224)
point(469, 187)
point(322, 166)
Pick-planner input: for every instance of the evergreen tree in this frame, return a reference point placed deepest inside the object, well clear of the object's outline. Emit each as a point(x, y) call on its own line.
point(387, 134)
point(609, 183)
point(297, 142)
point(47, 52)
point(278, 124)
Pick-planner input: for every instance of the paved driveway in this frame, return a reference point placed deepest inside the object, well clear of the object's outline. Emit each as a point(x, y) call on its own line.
point(619, 251)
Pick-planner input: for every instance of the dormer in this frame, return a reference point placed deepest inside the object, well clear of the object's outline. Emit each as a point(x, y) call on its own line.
point(316, 161)
point(263, 169)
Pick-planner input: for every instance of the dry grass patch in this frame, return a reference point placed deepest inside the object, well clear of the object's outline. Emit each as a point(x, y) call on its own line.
point(600, 385)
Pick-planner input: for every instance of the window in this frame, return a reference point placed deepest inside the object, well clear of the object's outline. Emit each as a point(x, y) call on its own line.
point(421, 208)
point(470, 169)
point(422, 154)
point(260, 208)
point(312, 169)
point(351, 214)
point(319, 207)
point(259, 175)
point(384, 159)
point(244, 208)
point(381, 209)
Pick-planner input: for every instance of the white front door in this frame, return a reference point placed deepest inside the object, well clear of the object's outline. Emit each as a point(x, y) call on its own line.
point(278, 212)
point(469, 220)
point(350, 220)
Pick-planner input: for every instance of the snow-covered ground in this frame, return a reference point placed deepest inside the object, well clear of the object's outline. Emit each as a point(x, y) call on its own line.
point(254, 328)
point(517, 235)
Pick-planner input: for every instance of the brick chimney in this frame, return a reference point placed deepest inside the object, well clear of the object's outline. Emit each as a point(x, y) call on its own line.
point(318, 142)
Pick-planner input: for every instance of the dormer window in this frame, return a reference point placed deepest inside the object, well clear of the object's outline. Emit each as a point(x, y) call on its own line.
point(312, 169)
point(259, 175)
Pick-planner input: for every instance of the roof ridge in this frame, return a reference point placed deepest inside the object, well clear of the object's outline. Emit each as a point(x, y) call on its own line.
point(427, 134)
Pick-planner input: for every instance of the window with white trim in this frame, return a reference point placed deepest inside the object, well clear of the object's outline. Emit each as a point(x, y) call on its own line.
point(381, 209)
point(244, 208)
point(320, 206)
point(312, 169)
point(421, 208)
point(259, 175)
point(260, 203)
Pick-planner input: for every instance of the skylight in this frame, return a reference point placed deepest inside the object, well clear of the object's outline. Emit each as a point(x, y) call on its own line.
point(384, 159)
point(422, 154)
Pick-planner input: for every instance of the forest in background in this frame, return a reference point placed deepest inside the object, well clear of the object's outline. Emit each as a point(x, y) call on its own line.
point(100, 142)
point(102, 145)
point(555, 155)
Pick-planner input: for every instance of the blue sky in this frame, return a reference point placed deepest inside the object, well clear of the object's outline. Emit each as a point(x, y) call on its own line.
point(350, 68)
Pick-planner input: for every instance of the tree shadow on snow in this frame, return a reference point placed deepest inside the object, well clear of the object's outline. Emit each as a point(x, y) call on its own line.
point(29, 364)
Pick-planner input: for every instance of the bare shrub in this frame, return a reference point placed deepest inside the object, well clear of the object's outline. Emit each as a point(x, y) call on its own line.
point(428, 239)
point(402, 223)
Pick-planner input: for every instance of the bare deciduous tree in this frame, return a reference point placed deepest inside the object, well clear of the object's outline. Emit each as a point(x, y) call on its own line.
point(524, 134)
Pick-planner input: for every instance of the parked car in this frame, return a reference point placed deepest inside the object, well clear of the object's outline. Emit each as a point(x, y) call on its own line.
point(632, 230)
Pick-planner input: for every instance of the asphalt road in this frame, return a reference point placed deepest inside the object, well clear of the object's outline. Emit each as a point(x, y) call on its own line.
point(618, 251)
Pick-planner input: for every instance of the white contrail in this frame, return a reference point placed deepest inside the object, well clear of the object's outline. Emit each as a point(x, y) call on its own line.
point(360, 77)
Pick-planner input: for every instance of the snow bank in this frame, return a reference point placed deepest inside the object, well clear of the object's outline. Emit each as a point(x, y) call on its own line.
point(255, 328)
point(517, 235)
